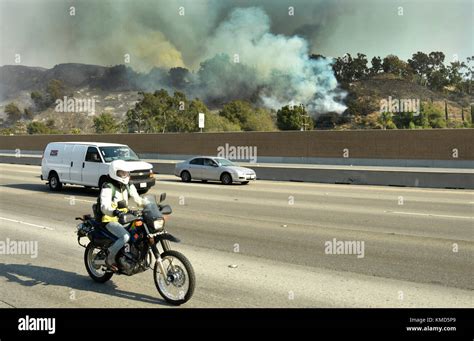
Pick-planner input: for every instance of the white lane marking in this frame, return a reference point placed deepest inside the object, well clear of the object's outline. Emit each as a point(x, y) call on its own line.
point(72, 198)
point(20, 155)
point(431, 215)
point(30, 224)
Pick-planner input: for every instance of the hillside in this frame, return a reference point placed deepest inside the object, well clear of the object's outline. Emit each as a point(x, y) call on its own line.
point(115, 90)
point(382, 86)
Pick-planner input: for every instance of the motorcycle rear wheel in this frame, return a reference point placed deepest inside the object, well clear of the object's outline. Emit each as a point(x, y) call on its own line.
point(98, 275)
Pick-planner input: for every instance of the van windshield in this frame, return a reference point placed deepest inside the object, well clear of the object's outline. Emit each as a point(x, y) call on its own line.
point(118, 153)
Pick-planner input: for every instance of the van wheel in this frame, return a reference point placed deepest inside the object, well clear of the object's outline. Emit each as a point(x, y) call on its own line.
point(54, 183)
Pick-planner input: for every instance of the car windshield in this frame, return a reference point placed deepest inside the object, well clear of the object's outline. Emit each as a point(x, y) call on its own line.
point(118, 153)
point(225, 162)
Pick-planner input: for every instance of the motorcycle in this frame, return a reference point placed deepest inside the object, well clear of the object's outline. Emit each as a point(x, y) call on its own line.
point(172, 272)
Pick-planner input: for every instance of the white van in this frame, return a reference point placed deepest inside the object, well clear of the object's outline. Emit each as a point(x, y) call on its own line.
point(87, 164)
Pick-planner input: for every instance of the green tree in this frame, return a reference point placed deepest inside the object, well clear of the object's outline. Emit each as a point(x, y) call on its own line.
point(359, 66)
point(293, 118)
point(404, 120)
point(215, 123)
point(105, 123)
point(183, 115)
point(455, 74)
point(237, 112)
point(159, 111)
point(386, 120)
point(135, 119)
point(436, 60)
point(261, 120)
point(420, 64)
point(243, 114)
point(13, 112)
point(438, 79)
point(376, 65)
point(37, 127)
point(55, 90)
point(434, 115)
point(468, 75)
point(344, 68)
point(438, 73)
point(38, 100)
point(393, 64)
point(28, 113)
point(178, 77)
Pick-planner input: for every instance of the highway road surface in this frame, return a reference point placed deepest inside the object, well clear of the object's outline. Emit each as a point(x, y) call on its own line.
point(261, 245)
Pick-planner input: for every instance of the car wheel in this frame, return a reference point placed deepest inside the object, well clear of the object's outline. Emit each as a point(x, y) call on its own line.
point(54, 183)
point(226, 179)
point(185, 176)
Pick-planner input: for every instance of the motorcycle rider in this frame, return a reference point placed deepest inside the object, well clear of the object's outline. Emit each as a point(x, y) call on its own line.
point(114, 190)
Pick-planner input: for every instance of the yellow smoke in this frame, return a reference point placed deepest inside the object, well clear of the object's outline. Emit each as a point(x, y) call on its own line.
point(152, 49)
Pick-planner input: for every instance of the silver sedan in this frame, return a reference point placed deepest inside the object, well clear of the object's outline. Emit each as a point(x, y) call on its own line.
point(213, 168)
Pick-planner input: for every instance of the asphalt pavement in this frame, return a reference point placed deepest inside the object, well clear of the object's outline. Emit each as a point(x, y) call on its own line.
point(265, 244)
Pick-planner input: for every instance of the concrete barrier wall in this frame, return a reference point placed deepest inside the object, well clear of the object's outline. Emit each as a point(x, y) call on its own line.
point(413, 177)
point(434, 144)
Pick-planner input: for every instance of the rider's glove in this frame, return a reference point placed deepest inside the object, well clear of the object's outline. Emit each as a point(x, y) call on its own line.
point(119, 211)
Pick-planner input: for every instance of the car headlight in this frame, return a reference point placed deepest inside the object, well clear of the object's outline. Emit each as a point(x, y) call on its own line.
point(158, 224)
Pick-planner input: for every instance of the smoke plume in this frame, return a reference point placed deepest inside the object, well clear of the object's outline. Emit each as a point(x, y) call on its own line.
point(276, 67)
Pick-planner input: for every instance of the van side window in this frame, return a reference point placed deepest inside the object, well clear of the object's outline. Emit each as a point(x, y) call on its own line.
point(93, 155)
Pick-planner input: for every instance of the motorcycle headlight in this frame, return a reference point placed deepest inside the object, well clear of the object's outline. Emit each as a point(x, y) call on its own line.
point(158, 224)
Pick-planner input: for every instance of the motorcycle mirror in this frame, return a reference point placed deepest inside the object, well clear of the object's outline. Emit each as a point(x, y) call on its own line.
point(162, 197)
point(122, 204)
point(166, 209)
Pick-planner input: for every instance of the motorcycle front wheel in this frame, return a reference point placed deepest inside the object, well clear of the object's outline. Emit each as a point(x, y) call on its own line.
point(176, 286)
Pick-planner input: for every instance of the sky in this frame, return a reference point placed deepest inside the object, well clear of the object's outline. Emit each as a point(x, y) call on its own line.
point(156, 33)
